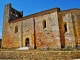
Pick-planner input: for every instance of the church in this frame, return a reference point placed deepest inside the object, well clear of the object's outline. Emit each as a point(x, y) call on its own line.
point(51, 28)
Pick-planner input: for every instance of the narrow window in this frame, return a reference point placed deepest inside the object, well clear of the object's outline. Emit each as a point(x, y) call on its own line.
point(65, 27)
point(16, 29)
point(44, 24)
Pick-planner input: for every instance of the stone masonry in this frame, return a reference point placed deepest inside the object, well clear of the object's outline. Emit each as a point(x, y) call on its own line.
point(39, 55)
point(47, 29)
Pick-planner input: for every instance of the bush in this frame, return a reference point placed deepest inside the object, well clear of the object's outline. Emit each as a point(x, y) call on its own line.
point(78, 47)
point(68, 48)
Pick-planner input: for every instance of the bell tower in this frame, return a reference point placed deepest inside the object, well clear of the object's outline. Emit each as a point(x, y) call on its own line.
point(9, 15)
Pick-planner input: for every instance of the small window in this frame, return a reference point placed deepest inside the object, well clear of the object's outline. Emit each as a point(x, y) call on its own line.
point(16, 29)
point(65, 27)
point(44, 24)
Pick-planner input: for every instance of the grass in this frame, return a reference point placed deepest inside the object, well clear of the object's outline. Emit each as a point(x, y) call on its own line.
point(69, 48)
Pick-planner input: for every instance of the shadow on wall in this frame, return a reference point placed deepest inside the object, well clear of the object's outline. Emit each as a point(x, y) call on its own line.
point(0, 42)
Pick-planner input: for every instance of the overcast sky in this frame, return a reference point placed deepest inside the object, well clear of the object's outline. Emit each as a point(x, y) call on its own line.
point(32, 6)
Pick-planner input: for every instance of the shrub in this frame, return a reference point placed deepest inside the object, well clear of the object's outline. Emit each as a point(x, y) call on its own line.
point(68, 48)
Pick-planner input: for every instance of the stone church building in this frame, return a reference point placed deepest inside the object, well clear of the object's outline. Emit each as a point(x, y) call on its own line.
point(51, 28)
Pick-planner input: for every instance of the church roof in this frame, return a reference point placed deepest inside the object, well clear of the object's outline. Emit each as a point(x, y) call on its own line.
point(44, 12)
point(35, 15)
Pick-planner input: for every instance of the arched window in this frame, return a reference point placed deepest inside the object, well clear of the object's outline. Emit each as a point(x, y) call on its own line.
point(44, 24)
point(65, 27)
point(16, 29)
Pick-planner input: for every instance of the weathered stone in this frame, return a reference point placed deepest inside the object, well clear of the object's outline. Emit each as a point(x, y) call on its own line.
point(49, 29)
point(39, 55)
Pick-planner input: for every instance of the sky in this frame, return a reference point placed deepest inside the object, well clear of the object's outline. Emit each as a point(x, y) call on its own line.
point(33, 6)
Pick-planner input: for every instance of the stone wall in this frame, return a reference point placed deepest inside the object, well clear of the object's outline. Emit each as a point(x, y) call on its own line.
point(70, 18)
point(28, 32)
point(47, 37)
point(40, 55)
